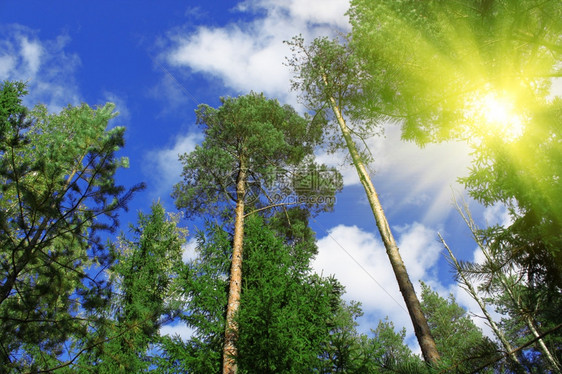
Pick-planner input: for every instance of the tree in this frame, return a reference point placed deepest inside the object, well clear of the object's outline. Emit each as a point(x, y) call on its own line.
point(146, 294)
point(532, 308)
point(289, 319)
point(328, 75)
point(287, 316)
point(478, 71)
point(465, 283)
point(58, 192)
point(462, 345)
point(431, 60)
point(248, 140)
point(390, 353)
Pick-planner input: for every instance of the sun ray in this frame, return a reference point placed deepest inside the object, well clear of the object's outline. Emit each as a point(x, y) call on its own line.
point(494, 114)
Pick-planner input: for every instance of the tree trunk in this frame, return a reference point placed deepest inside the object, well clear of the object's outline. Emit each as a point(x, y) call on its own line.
point(508, 289)
point(230, 352)
point(472, 291)
point(421, 328)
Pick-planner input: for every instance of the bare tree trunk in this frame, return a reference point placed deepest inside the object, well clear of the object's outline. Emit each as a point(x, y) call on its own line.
point(421, 328)
point(553, 362)
point(472, 292)
point(230, 352)
point(529, 321)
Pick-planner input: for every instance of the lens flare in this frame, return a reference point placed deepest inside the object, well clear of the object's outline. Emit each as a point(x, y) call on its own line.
point(496, 115)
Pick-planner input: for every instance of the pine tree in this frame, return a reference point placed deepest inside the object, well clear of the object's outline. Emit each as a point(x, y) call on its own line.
point(58, 192)
point(248, 141)
point(146, 294)
point(461, 344)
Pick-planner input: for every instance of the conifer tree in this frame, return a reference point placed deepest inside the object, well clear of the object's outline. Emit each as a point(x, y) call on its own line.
point(58, 192)
point(290, 320)
point(146, 295)
point(462, 345)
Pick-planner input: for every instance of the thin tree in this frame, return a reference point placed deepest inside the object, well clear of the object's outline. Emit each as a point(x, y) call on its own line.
point(500, 269)
point(466, 284)
point(328, 75)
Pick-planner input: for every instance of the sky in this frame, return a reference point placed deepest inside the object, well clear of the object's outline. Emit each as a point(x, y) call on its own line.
point(157, 60)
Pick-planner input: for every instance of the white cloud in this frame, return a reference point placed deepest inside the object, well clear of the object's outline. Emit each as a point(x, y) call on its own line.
point(7, 64)
point(163, 166)
point(240, 59)
point(31, 52)
point(178, 329)
point(359, 261)
point(497, 214)
point(189, 250)
point(249, 55)
point(44, 64)
point(420, 250)
point(313, 12)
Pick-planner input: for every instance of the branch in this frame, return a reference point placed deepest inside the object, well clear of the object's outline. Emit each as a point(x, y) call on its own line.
point(517, 349)
point(266, 207)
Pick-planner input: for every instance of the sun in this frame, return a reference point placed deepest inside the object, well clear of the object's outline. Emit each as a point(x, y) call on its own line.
point(495, 115)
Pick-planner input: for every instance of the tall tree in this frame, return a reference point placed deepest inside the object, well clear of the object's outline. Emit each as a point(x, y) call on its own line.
point(328, 75)
point(58, 191)
point(248, 140)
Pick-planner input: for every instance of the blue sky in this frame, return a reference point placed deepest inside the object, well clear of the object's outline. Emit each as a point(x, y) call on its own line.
point(156, 60)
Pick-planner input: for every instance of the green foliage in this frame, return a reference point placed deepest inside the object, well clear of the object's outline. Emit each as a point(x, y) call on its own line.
point(254, 134)
point(389, 345)
point(328, 69)
point(290, 320)
point(205, 289)
point(146, 296)
point(285, 318)
point(57, 192)
point(11, 109)
point(428, 59)
point(524, 175)
point(431, 63)
point(460, 343)
point(526, 307)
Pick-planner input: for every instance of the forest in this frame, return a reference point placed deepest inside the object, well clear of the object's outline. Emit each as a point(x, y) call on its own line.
point(82, 293)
